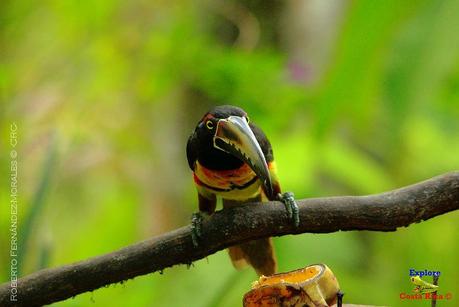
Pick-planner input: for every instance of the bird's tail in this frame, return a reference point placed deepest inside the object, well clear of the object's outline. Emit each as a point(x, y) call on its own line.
point(257, 253)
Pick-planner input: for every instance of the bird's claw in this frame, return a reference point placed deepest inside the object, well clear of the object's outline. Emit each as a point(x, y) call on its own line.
point(196, 227)
point(291, 206)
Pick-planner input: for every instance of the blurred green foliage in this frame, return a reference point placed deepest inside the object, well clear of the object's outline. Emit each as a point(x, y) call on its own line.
point(114, 88)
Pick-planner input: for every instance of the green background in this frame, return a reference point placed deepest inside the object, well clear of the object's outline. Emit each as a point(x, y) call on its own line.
point(357, 97)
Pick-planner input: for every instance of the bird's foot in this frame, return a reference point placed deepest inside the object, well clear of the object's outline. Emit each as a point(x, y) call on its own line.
point(288, 200)
point(196, 227)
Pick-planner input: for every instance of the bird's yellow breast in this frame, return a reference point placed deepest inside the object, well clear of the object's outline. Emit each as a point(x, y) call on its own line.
point(237, 184)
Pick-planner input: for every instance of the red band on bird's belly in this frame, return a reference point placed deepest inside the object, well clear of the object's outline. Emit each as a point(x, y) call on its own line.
point(223, 179)
point(196, 180)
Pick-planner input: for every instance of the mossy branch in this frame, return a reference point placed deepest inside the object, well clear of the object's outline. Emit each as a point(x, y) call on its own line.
point(379, 212)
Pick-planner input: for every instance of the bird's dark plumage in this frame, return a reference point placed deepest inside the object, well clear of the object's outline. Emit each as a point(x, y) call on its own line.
point(232, 158)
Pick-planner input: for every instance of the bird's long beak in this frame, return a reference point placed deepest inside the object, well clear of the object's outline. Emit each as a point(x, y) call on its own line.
point(234, 136)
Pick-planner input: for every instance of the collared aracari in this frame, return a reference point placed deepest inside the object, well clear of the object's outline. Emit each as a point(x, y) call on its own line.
point(231, 158)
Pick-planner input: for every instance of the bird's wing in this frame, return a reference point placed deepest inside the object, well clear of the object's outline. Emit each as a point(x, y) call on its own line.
point(192, 150)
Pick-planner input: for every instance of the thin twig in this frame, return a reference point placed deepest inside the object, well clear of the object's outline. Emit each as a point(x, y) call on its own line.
point(380, 212)
point(434, 295)
point(339, 299)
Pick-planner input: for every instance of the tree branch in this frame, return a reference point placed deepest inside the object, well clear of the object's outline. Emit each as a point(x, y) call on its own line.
point(380, 212)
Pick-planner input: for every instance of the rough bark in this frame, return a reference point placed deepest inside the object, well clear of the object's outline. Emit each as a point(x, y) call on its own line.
point(379, 212)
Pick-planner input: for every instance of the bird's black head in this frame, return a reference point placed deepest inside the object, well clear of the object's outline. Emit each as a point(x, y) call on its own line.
point(223, 140)
point(207, 126)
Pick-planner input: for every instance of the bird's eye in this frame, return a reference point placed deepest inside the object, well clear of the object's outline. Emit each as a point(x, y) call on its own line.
point(209, 124)
point(247, 119)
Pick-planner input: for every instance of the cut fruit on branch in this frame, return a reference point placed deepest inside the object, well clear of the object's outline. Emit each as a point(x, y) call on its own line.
point(313, 286)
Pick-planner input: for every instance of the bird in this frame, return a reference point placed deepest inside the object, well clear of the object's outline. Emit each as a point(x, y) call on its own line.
point(232, 158)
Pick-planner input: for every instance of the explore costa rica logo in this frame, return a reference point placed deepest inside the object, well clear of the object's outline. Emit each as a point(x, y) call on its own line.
point(424, 290)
